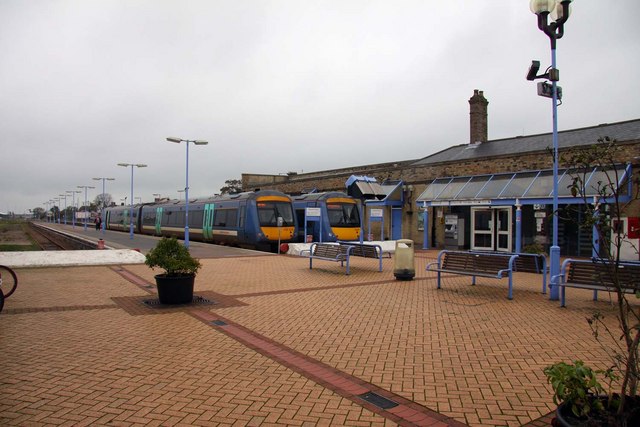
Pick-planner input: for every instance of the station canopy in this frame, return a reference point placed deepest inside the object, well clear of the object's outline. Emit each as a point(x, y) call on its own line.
point(527, 187)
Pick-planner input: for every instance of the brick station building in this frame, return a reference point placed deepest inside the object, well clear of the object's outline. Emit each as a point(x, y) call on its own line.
point(476, 189)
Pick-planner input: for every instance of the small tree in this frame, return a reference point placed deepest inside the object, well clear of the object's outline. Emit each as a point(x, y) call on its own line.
point(605, 201)
point(103, 200)
point(231, 186)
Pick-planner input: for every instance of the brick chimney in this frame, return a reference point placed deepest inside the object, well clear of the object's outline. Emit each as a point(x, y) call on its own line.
point(478, 117)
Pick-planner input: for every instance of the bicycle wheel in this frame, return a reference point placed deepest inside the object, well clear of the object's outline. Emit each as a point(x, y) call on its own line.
point(1, 301)
point(8, 281)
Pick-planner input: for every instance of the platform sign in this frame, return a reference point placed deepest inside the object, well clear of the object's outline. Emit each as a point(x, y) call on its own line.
point(313, 212)
point(376, 213)
point(312, 215)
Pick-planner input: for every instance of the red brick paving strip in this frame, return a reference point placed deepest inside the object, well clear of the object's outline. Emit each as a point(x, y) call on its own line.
point(407, 413)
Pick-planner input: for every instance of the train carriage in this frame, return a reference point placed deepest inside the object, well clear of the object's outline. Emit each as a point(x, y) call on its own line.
point(248, 219)
point(339, 216)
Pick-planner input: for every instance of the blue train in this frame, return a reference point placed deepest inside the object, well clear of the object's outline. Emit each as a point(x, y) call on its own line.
point(339, 217)
point(245, 219)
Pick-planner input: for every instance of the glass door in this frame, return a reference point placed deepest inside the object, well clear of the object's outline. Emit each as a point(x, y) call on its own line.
point(503, 229)
point(482, 229)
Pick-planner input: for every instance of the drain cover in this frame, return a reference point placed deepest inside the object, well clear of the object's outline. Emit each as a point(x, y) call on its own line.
point(379, 401)
point(219, 323)
point(197, 300)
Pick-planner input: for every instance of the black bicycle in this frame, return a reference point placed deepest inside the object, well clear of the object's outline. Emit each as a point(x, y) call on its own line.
point(8, 281)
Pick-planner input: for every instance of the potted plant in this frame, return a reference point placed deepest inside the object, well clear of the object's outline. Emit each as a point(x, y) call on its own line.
point(576, 386)
point(578, 393)
point(175, 285)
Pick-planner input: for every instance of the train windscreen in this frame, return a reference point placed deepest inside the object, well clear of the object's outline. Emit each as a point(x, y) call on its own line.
point(343, 215)
point(268, 213)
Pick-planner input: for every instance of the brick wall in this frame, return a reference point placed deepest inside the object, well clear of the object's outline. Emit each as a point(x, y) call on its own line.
point(419, 177)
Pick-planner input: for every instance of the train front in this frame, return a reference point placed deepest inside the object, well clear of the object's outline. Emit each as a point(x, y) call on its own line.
point(276, 220)
point(344, 218)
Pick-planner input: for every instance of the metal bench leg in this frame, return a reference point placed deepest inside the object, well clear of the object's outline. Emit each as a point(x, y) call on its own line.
point(510, 285)
point(439, 278)
point(473, 280)
point(562, 296)
point(310, 262)
point(595, 295)
point(544, 282)
point(348, 270)
point(380, 259)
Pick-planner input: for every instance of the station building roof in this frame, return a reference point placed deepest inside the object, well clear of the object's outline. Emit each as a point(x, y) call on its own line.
point(621, 131)
point(527, 187)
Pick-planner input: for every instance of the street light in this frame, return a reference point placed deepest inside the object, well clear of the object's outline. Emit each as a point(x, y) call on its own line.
point(85, 203)
point(53, 208)
point(65, 207)
point(179, 195)
point(186, 187)
point(559, 11)
point(126, 165)
point(73, 205)
point(103, 202)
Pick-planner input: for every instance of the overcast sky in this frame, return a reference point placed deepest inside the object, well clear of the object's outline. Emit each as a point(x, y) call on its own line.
point(279, 86)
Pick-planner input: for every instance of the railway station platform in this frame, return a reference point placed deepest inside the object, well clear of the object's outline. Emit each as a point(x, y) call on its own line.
point(271, 342)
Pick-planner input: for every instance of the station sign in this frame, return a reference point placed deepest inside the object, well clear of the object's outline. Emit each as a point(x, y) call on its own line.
point(376, 213)
point(312, 212)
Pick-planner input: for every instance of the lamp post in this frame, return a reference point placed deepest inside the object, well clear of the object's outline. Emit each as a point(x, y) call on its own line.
point(56, 202)
point(73, 205)
point(186, 187)
point(53, 215)
point(559, 11)
point(65, 206)
point(126, 165)
point(103, 201)
point(85, 203)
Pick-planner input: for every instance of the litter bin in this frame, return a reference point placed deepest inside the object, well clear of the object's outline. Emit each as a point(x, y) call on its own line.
point(403, 260)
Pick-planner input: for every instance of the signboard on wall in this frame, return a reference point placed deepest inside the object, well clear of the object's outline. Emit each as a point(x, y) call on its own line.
point(376, 213)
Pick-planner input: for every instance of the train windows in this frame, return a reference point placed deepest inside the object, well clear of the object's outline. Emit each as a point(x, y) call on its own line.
point(242, 211)
point(220, 218)
point(268, 213)
point(232, 217)
point(343, 215)
point(195, 218)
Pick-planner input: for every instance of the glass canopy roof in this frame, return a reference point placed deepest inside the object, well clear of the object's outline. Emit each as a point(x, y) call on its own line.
point(528, 186)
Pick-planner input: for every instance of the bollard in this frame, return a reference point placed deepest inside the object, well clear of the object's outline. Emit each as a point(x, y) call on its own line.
point(100, 244)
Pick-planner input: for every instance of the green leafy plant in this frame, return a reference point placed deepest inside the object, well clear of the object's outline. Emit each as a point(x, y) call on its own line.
point(577, 385)
point(173, 258)
point(533, 248)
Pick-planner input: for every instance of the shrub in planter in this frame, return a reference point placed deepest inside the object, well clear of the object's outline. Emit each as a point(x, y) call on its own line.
point(576, 385)
point(175, 285)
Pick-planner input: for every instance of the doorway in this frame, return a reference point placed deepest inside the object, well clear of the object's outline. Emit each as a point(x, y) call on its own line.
point(491, 229)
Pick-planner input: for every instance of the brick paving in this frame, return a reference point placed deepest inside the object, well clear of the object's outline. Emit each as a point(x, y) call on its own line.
point(284, 345)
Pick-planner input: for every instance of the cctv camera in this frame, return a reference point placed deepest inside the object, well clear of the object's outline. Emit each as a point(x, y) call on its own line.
point(533, 70)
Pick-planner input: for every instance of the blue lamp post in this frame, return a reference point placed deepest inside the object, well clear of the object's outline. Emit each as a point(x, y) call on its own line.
point(86, 205)
point(104, 205)
point(73, 205)
point(138, 165)
point(56, 202)
point(65, 206)
point(559, 11)
point(186, 188)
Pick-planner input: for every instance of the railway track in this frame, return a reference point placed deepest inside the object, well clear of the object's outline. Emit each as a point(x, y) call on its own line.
point(46, 241)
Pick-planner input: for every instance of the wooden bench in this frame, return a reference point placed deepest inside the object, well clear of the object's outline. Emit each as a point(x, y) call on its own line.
point(342, 252)
point(492, 265)
point(598, 275)
point(528, 263)
point(366, 250)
